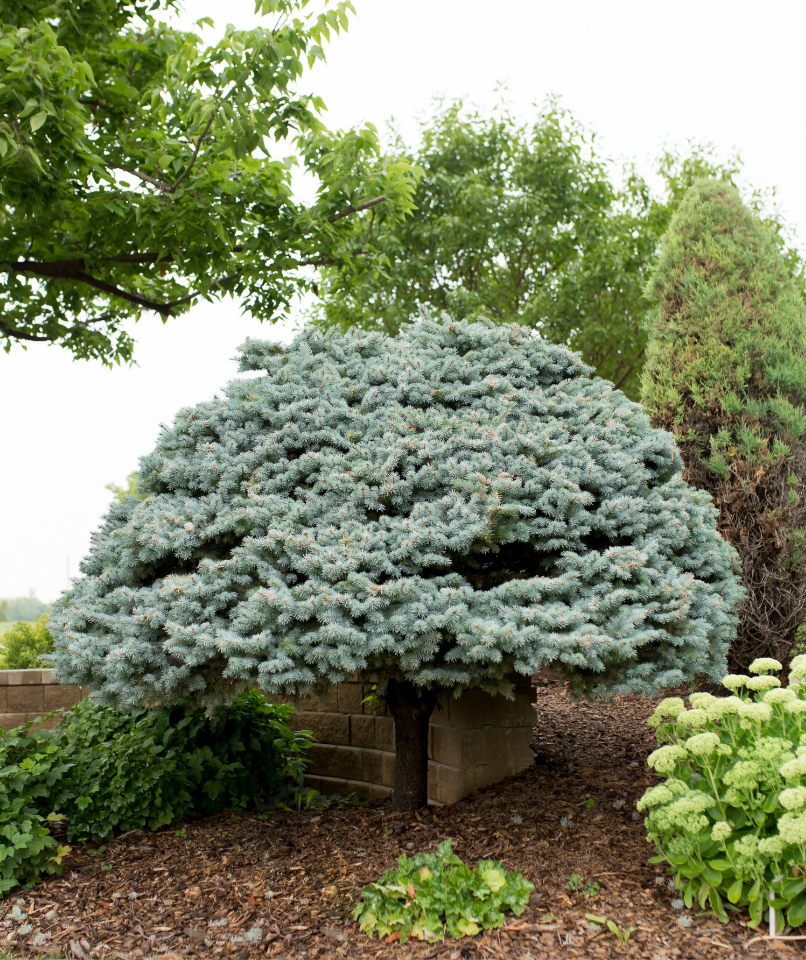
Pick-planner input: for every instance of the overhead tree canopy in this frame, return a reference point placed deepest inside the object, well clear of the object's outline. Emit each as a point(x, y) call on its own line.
point(442, 509)
point(726, 372)
point(523, 223)
point(141, 168)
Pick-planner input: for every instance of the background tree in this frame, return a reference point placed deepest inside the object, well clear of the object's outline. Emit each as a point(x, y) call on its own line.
point(450, 506)
point(129, 490)
point(141, 168)
point(23, 644)
point(24, 608)
point(524, 223)
point(726, 372)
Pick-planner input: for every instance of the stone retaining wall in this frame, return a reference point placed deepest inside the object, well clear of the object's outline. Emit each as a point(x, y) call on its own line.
point(28, 694)
point(474, 740)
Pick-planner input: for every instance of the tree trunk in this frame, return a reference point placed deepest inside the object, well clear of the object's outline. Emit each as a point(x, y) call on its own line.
point(411, 707)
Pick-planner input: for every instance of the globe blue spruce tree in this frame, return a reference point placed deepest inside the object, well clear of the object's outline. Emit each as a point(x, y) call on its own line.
point(441, 509)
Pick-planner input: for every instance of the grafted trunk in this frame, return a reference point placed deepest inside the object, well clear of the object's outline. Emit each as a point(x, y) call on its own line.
point(411, 708)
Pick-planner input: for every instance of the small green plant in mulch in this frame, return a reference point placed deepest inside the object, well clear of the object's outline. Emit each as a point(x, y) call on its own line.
point(434, 895)
point(583, 888)
point(622, 934)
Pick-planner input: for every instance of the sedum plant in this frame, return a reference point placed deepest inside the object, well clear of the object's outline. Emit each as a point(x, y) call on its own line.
point(730, 816)
point(437, 510)
point(434, 895)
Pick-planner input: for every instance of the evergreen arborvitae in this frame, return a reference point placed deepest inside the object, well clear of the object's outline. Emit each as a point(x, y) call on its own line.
point(726, 373)
point(440, 509)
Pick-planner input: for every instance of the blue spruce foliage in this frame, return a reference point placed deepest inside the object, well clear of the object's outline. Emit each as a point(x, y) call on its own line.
point(447, 506)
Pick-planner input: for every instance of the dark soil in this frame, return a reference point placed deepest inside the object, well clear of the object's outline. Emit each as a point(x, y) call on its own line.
point(242, 886)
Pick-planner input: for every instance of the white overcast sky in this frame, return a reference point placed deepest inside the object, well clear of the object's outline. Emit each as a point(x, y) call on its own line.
point(641, 73)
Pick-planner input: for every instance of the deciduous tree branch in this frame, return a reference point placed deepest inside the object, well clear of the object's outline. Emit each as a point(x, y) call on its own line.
point(19, 334)
point(13, 334)
point(76, 268)
point(161, 185)
point(349, 211)
point(193, 159)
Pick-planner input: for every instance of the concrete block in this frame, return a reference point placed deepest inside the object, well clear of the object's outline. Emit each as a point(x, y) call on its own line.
point(57, 697)
point(327, 727)
point(3, 700)
point(450, 784)
point(497, 754)
point(25, 699)
point(335, 761)
point(447, 744)
point(325, 701)
point(372, 766)
point(337, 785)
point(388, 770)
point(362, 731)
point(475, 708)
point(8, 721)
point(4, 678)
point(47, 677)
point(367, 791)
point(350, 696)
point(434, 785)
point(27, 678)
point(375, 791)
point(385, 733)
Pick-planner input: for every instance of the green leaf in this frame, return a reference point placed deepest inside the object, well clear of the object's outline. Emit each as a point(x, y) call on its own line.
point(734, 892)
point(711, 875)
point(715, 902)
point(796, 912)
point(791, 889)
point(37, 120)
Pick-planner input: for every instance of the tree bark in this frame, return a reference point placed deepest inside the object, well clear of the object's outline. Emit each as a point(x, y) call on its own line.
point(411, 708)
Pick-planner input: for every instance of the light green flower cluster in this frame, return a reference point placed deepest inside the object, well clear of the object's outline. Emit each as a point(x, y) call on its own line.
point(765, 665)
point(730, 816)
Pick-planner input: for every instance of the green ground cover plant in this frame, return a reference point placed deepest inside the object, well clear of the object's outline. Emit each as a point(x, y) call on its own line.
point(730, 816)
point(434, 895)
point(23, 644)
point(102, 772)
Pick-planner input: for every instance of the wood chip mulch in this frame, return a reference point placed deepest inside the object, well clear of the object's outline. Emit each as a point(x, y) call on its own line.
point(242, 887)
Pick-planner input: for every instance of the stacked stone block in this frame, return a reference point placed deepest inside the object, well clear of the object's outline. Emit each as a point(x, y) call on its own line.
point(30, 694)
point(474, 741)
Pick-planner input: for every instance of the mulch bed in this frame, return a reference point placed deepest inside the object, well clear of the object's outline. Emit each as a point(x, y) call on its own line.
point(239, 886)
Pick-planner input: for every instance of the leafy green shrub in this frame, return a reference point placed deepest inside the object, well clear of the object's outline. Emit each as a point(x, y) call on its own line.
point(103, 772)
point(150, 768)
point(30, 764)
point(730, 818)
point(435, 894)
point(23, 644)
